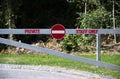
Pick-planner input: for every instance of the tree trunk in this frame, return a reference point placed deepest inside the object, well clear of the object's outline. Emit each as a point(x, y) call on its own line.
point(85, 7)
point(114, 21)
point(9, 16)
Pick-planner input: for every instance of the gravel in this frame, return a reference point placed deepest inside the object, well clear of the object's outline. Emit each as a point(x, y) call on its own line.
point(11, 71)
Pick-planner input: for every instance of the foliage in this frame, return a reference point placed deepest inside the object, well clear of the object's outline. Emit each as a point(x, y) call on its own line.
point(76, 42)
point(108, 4)
point(97, 19)
point(69, 43)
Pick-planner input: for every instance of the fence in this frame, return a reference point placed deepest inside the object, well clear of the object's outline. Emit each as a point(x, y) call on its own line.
point(98, 32)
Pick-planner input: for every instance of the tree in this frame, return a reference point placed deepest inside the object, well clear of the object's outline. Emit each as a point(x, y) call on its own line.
point(96, 17)
point(7, 15)
point(36, 14)
point(113, 7)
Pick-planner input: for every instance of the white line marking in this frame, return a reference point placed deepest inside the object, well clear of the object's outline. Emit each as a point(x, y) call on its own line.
point(58, 32)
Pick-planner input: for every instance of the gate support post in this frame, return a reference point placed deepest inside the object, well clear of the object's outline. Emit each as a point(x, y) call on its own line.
point(98, 45)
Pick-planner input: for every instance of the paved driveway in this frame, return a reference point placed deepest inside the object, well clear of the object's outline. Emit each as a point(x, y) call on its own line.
point(31, 74)
point(43, 72)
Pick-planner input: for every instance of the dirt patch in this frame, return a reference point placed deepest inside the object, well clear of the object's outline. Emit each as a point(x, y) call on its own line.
point(111, 48)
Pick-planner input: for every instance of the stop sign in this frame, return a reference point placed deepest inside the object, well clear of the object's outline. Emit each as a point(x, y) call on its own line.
point(58, 31)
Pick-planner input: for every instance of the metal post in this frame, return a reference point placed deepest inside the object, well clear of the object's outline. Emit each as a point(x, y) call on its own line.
point(98, 45)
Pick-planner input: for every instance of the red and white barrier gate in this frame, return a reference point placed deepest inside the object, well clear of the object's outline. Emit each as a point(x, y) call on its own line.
point(67, 31)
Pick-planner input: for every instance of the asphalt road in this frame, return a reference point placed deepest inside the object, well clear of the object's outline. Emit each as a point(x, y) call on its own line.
point(31, 74)
point(43, 72)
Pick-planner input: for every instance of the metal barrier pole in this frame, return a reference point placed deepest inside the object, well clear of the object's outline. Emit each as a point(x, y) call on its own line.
point(98, 45)
point(60, 54)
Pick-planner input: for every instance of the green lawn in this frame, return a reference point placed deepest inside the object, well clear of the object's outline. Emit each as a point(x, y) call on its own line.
point(112, 59)
point(30, 59)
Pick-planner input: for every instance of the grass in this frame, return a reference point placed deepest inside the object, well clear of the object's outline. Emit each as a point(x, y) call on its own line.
point(112, 59)
point(32, 59)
